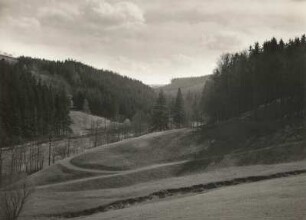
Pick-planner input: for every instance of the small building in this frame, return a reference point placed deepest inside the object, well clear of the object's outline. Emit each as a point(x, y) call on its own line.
point(8, 59)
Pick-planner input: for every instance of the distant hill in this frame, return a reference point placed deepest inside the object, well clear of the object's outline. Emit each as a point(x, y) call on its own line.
point(155, 86)
point(187, 84)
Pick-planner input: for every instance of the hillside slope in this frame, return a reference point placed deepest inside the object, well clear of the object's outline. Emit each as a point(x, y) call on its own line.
point(108, 94)
point(81, 122)
point(273, 199)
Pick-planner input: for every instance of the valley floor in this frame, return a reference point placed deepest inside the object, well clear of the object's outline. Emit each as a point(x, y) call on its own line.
point(156, 163)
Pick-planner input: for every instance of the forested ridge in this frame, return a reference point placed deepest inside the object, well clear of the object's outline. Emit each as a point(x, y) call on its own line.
point(266, 82)
point(269, 77)
point(108, 94)
point(37, 95)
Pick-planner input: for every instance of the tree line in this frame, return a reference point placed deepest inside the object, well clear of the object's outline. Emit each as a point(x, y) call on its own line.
point(270, 77)
point(29, 108)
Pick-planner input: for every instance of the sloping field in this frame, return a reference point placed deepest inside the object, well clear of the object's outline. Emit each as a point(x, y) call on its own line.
point(60, 199)
point(82, 122)
point(273, 199)
point(148, 164)
point(160, 147)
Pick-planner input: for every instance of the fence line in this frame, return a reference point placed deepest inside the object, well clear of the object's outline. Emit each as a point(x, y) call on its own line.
point(28, 158)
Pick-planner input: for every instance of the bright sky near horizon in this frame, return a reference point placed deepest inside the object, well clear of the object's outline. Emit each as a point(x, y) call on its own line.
point(152, 41)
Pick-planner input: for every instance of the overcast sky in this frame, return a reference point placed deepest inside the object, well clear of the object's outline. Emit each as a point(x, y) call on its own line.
point(150, 40)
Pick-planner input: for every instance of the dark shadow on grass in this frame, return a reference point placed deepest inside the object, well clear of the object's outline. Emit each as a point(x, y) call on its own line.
point(245, 142)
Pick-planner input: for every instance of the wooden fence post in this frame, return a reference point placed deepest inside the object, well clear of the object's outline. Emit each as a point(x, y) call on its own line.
point(68, 147)
point(50, 143)
point(0, 167)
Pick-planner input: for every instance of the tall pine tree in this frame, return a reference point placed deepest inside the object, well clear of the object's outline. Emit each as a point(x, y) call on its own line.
point(179, 115)
point(160, 113)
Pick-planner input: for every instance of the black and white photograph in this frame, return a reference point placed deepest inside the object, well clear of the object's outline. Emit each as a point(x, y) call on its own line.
point(152, 110)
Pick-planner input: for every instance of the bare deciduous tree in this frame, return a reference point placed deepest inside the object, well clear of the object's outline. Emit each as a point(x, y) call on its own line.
point(12, 201)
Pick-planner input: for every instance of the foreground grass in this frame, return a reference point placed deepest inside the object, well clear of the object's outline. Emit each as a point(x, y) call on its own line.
point(173, 192)
point(54, 201)
point(273, 199)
